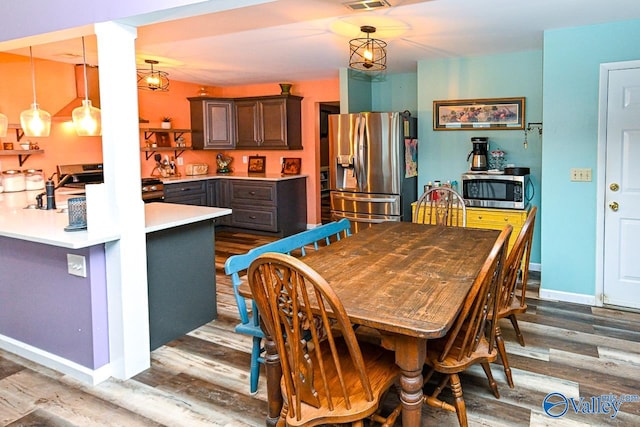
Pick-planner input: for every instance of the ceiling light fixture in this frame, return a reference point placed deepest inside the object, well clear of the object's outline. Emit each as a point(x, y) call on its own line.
point(368, 54)
point(150, 79)
point(86, 118)
point(34, 121)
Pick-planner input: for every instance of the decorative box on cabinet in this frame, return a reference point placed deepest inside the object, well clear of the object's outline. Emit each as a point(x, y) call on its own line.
point(212, 123)
point(272, 207)
point(187, 193)
point(269, 122)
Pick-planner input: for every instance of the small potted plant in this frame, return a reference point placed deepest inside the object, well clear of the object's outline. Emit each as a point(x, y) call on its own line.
point(166, 123)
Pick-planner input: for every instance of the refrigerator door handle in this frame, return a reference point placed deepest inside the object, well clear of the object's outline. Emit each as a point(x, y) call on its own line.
point(362, 175)
point(370, 199)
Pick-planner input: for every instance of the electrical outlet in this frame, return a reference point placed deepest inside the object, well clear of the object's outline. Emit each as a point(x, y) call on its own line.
point(581, 174)
point(180, 161)
point(77, 265)
point(245, 159)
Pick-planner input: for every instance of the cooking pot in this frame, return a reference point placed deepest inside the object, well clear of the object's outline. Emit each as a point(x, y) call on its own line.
point(516, 170)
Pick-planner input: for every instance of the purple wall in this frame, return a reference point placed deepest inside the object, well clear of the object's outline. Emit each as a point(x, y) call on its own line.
point(44, 306)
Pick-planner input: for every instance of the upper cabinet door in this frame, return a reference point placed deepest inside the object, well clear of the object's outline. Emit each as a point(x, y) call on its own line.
point(212, 123)
point(248, 119)
point(269, 122)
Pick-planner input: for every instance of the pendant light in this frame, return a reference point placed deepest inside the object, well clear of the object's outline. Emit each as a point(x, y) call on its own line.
point(151, 79)
point(34, 121)
point(368, 54)
point(86, 118)
point(4, 125)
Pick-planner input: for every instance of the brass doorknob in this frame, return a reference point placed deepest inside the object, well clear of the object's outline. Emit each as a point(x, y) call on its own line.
point(614, 206)
point(614, 187)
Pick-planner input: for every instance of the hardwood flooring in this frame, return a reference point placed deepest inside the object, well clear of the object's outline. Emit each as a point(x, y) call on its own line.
point(201, 378)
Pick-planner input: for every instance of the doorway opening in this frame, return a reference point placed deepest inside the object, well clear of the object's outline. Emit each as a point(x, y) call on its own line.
point(326, 108)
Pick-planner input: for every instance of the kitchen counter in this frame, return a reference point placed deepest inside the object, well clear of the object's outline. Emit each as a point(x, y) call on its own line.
point(232, 175)
point(47, 226)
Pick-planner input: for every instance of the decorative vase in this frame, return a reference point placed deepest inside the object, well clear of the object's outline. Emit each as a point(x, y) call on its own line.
point(165, 125)
point(286, 88)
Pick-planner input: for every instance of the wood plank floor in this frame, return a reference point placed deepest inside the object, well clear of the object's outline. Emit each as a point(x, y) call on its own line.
point(201, 378)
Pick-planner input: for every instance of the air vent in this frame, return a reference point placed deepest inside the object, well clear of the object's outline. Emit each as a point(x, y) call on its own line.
point(367, 4)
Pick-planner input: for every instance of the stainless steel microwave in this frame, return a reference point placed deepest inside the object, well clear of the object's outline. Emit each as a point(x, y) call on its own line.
point(495, 191)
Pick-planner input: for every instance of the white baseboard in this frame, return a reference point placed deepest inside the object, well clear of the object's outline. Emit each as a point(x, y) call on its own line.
point(534, 266)
point(552, 295)
point(74, 370)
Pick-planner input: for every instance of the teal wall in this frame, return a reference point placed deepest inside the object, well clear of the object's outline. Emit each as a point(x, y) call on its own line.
point(572, 58)
point(398, 92)
point(442, 154)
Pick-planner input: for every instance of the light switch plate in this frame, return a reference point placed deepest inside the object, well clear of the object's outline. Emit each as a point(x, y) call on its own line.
point(581, 174)
point(77, 265)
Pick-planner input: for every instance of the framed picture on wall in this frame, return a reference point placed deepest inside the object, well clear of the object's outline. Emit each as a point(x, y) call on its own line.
point(291, 165)
point(479, 114)
point(257, 164)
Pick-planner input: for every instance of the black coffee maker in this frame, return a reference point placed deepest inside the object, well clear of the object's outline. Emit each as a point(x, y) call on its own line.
point(478, 156)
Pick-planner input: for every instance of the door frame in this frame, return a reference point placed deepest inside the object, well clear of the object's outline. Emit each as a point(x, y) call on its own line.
point(605, 68)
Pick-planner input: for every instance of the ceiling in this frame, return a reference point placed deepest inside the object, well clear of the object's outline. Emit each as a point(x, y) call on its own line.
point(296, 40)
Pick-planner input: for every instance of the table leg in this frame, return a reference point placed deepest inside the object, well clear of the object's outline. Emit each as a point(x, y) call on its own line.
point(274, 373)
point(410, 357)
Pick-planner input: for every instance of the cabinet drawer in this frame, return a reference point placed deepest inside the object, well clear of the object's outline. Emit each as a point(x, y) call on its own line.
point(189, 193)
point(247, 192)
point(498, 218)
point(256, 219)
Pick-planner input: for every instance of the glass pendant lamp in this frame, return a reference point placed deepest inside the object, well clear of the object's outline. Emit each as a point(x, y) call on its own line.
point(34, 121)
point(4, 125)
point(86, 118)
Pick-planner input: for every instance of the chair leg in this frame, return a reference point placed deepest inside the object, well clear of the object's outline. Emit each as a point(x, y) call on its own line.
point(503, 355)
point(458, 400)
point(254, 372)
point(492, 382)
point(516, 328)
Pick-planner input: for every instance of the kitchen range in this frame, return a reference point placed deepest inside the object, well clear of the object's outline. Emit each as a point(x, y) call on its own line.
point(79, 175)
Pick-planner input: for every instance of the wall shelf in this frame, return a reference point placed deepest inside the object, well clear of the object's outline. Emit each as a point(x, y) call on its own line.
point(177, 151)
point(177, 133)
point(23, 155)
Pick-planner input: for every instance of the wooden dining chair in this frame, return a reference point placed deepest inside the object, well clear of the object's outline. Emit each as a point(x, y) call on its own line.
point(511, 299)
point(441, 206)
point(327, 376)
point(467, 343)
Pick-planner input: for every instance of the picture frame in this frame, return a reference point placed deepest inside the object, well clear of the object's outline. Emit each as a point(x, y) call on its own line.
point(479, 114)
point(291, 165)
point(257, 164)
point(162, 139)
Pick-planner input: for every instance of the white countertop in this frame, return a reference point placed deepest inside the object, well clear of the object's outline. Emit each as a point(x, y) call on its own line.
point(231, 175)
point(160, 216)
point(47, 226)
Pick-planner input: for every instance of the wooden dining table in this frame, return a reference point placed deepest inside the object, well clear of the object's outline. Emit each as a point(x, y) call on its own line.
point(408, 281)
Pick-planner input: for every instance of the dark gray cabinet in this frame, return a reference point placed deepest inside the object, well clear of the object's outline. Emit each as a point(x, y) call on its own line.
point(269, 122)
point(277, 207)
point(212, 123)
point(187, 193)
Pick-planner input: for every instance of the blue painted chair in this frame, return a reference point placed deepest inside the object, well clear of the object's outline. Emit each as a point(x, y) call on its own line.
point(300, 243)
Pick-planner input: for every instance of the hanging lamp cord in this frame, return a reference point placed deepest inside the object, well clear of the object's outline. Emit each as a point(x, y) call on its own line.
point(84, 63)
point(33, 75)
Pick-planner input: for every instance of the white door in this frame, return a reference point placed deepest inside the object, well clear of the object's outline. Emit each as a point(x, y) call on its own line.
point(622, 192)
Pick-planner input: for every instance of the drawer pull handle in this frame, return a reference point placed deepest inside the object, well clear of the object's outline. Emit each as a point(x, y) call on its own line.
point(479, 216)
point(185, 189)
point(253, 193)
point(252, 217)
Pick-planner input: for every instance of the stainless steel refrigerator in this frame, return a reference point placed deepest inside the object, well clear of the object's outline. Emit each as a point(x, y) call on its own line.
point(373, 167)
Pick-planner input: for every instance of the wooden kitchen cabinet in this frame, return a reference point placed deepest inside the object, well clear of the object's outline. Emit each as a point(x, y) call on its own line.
point(269, 122)
point(186, 193)
point(495, 219)
point(212, 123)
point(273, 207)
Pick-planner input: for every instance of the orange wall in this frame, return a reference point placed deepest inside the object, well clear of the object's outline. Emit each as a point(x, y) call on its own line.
point(55, 86)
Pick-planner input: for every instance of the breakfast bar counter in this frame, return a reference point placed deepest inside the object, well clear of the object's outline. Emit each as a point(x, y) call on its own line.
point(57, 300)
